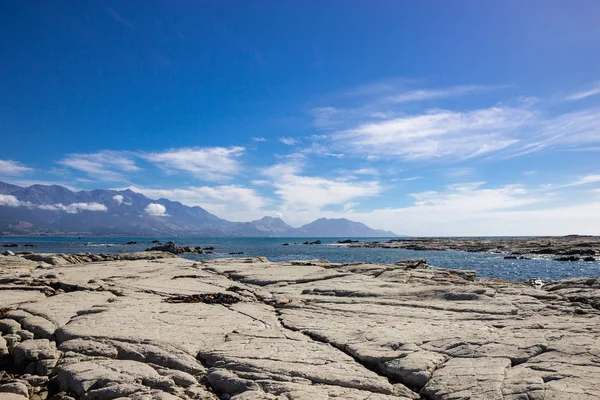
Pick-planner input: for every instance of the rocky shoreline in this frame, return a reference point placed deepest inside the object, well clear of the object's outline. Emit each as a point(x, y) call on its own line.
point(562, 248)
point(152, 325)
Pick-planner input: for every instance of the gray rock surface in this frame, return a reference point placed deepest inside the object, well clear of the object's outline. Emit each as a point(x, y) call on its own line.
point(564, 248)
point(299, 330)
point(17, 388)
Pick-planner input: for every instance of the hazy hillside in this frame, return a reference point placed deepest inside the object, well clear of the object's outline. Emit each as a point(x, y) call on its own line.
point(56, 209)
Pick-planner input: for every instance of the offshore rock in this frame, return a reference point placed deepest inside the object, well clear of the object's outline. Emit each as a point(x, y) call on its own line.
point(571, 245)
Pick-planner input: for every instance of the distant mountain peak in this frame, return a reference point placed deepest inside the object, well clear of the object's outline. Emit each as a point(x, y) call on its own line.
point(56, 209)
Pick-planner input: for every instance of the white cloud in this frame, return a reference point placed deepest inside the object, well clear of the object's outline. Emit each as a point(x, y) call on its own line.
point(74, 208)
point(321, 150)
point(595, 90)
point(472, 209)
point(283, 169)
point(259, 182)
point(156, 210)
point(381, 128)
point(8, 167)
point(226, 201)
point(349, 206)
point(303, 197)
point(578, 129)
point(589, 179)
point(9, 201)
point(104, 165)
point(365, 171)
point(438, 134)
point(429, 94)
point(460, 172)
point(259, 139)
point(118, 198)
point(326, 116)
point(206, 163)
point(290, 141)
point(584, 180)
point(308, 192)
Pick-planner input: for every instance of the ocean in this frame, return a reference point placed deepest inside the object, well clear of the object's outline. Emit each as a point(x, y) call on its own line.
point(486, 264)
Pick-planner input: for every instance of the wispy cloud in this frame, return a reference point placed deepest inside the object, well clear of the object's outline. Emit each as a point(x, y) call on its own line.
point(593, 91)
point(584, 180)
point(74, 208)
point(430, 94)
point(446, 135)
point(365, 171)
point(577, 129)
point(259, 139)
point(438, 134)
point(205, 163)
point(8, 167)
point(290, 141)
point(118, 17)
point(461, 172)
point(105, 165)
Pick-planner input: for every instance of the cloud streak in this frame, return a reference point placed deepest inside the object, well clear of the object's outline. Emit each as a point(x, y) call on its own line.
point(431, 94)
point(595, 90)
point(440, 134)
point(105, 165)
point(205, 163)
point(11, 168)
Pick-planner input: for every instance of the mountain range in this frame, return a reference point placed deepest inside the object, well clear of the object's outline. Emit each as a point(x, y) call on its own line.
point(43, 209)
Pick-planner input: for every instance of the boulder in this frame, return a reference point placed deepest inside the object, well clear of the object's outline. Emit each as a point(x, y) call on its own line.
point(8, 325)
point(40, 327)
point(35, 350)
point(11, 341)
point(18, 388)
point(3, 346)
point(567, 258)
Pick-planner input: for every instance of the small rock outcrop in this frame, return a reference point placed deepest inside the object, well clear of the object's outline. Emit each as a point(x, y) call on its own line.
point(170, 247)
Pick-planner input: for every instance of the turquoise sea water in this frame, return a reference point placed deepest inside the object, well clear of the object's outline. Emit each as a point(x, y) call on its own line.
point(486, 265)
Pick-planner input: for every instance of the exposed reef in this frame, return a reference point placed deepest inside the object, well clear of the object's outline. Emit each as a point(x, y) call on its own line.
point(564, 248)
point(161, 327)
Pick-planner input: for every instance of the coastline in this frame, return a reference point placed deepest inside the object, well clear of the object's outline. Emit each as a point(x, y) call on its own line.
point(254, 329)
point(578, 245)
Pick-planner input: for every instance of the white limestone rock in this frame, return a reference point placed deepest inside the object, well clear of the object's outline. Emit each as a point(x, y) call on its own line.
point(8, 325)
point(35, 350)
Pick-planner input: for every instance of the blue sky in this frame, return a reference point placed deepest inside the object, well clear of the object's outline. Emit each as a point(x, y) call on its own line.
point(425, 118)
